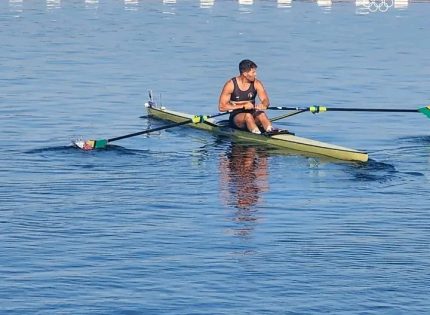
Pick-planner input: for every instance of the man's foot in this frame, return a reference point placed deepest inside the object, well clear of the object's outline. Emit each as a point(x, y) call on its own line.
point(277, 131)
point(256, 131)
point(270, 128)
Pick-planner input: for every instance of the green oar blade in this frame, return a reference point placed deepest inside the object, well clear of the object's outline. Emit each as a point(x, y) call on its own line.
point(89, 145)
point(100, 144)
point(425, 111)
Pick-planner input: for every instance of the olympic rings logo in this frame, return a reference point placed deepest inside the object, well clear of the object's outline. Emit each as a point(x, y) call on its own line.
point(379, 5)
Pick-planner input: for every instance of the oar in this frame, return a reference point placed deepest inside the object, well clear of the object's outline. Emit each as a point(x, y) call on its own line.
point(288, 114)
point(320, 109)
point(102, 143)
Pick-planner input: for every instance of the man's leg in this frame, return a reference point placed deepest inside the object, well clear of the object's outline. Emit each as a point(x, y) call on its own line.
point(246, 121)
point(262, 120)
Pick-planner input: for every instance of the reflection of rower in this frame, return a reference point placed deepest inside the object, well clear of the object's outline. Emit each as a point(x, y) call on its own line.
point(244, 176)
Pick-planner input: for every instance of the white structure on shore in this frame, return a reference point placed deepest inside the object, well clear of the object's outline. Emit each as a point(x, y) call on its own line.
point(361, 5)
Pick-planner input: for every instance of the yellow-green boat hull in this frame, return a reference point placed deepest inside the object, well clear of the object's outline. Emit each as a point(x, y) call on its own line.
point(302, 145)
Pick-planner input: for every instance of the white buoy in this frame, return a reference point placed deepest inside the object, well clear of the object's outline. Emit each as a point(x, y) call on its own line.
point(206, 3)
point(401, 4)
point(284, 3)
point(246, 2)
point(360, 3)
point(324, 3)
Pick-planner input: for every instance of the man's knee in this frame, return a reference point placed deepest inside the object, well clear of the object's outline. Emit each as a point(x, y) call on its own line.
point(248, 117)
point(260, 116)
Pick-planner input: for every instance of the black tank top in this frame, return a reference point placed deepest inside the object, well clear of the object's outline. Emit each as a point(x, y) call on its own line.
point(238, 95)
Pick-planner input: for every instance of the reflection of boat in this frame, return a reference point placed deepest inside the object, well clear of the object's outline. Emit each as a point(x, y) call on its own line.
point(300, 145)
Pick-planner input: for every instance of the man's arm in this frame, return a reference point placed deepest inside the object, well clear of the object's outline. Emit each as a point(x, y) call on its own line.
point(262, 95)
point(224, 100)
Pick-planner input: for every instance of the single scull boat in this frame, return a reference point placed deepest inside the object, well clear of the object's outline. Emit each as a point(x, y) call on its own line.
point(288, 141)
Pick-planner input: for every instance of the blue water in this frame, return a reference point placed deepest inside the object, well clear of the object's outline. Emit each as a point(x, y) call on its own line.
point(183, 222)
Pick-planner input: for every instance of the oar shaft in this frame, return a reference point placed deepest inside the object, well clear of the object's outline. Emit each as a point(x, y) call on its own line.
point(316, 109)
point(371, 110)
point(188, 121)
point(150, 130)
point(289, 114)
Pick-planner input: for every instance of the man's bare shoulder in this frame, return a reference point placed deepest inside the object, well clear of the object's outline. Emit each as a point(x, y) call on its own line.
point(258, 83)
point(229, 85)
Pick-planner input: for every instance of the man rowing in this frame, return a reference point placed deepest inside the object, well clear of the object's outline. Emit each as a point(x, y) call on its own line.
point(238, 95)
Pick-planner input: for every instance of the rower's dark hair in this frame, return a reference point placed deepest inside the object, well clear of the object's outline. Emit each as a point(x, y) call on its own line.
point(246, 65)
